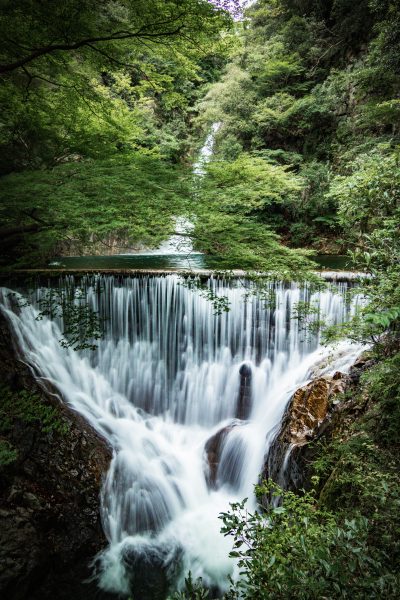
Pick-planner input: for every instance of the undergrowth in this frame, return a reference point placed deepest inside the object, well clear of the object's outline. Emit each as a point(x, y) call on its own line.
point(29, 408)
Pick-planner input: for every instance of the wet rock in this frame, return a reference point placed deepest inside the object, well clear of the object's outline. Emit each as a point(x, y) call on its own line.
point(289, 463)
point(309, 407)
point(363, 363)
point(213, 450)
point(50, 526)
point(150, 570)
point(308, 412)
point(244, 403)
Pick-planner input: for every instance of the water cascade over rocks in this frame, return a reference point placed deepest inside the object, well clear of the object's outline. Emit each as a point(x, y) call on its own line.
point(189, 400)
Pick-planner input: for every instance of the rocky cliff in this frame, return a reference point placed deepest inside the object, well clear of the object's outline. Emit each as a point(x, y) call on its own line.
point(51, 469)
point(313, 412)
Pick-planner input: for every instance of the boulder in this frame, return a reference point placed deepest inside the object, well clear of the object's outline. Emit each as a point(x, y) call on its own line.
point(306, 415)
point(151, 570)
point(244, 403)
point(309, 407)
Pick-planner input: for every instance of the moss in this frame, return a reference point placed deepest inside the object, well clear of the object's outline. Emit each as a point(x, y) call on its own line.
point(29, 407)
point(8, 454)
point(357, 468)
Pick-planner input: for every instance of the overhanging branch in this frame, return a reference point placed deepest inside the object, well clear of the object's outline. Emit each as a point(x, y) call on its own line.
point(117, 36)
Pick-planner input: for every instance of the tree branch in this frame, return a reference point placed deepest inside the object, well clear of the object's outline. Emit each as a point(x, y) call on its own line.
point(117, 36)
point(122, 64)
point(8, 232)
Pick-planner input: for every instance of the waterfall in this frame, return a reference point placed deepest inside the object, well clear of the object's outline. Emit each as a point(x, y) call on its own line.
point(167, 379)
point(206, 151)
point(180, 242)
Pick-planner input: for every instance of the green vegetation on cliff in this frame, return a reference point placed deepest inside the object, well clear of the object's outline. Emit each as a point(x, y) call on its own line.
point(102, 105)
point(25, 407)
point(312, 87)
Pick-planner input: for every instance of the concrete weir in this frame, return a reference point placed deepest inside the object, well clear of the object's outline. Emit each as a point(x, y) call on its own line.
point(332, 276)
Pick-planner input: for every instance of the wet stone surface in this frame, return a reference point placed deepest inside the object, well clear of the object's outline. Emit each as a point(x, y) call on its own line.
point(50, 527)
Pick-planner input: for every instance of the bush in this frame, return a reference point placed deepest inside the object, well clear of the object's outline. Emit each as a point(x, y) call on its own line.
point(298, 550)
point(28, 407)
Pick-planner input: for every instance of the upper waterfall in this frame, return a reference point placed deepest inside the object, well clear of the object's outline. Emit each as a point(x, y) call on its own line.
point(168, 375)
point(206, 151)
point(180, 243)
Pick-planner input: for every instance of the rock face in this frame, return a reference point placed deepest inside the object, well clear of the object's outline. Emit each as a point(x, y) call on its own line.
point(308, 411)
point(314, 411)
point(309, 407)
point(50, 527)
point(108, 246)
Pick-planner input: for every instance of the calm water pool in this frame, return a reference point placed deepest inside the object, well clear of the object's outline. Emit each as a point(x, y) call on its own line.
point(173, 261)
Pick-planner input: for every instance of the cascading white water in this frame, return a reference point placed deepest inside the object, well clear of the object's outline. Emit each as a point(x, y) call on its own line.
point(180, 242)
point(162, 382)
point(206, 151)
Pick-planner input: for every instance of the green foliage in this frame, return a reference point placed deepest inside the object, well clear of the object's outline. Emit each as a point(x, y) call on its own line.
point(248, 185)
point(8, 454)
point(368, 200)
point(219, 303)
point(80, 77)
point(234, 205)
point(81, 324)
point(309, 81)
point(297, 550)
point(368, 197)
point(357, 469)
point(193, 590)
point(132, 197)
point(382, 385)
point(308, 316)
point(28, 407)
point(95, 107)
point(242, 241)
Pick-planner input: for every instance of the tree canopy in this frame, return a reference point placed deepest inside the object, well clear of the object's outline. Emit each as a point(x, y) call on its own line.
point(104, 106)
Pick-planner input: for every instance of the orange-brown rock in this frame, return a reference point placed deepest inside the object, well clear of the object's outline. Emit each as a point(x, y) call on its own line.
point(309, 407)
point(313, 411)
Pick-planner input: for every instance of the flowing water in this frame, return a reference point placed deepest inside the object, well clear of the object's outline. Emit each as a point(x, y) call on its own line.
point(175, 261)
point(179, 246)
point(168, 375)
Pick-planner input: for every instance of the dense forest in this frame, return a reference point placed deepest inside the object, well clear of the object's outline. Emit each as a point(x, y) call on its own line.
point(105, 105)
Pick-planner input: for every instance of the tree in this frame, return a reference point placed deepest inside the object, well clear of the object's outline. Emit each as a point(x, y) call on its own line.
point(132, 197)
point(32, 31)
point(89, 77)
point(369, 209)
